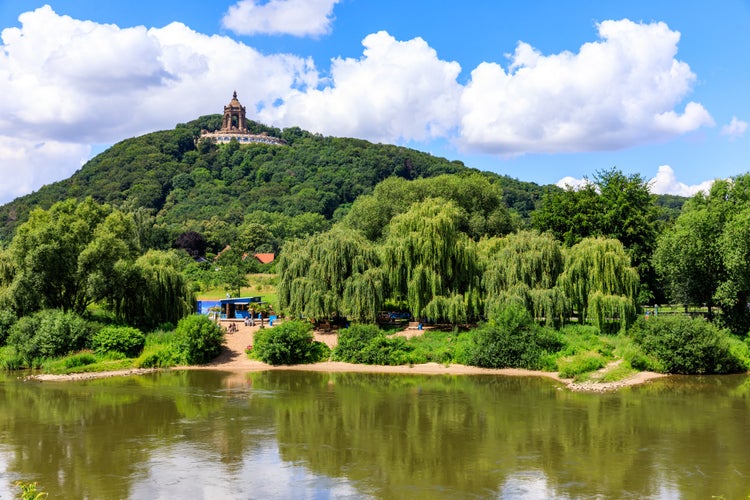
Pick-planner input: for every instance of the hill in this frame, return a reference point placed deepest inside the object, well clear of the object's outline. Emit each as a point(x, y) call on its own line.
point(182, 183)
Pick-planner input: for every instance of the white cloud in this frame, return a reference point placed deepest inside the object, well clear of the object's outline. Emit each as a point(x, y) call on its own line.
point(571, 182)
point(615, 93)
point(735, 129)
point(68, 83)
point(397, 90)
point(30, 165)
point(666, 182)
point(280, 17)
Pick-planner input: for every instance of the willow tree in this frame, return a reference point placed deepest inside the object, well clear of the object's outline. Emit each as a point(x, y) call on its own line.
point(330, 274)
point(523, 268)
point(600, 282)
point(152, 290)
point(430, 264)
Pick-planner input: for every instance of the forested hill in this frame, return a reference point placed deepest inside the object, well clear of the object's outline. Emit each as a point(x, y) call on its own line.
point(182, 182)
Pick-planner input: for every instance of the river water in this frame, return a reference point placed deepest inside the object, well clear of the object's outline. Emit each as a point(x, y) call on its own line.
point(212, 434)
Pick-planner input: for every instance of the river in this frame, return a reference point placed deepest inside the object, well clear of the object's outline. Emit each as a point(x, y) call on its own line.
point(283, 434)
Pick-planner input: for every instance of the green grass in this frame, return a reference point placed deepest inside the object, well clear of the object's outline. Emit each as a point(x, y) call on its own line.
point(263, 285)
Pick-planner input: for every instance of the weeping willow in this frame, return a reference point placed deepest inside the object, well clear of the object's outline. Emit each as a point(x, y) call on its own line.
point(330, 274)
point(153, 291)
point(363, 296)
point(522, 268)
point(608, 310)
point(427, 259)
point(598, 265)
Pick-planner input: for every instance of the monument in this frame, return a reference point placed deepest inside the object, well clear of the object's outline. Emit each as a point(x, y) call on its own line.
point(234, 126)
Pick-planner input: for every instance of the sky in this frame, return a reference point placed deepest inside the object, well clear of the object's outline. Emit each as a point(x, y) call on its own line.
point(543, 91)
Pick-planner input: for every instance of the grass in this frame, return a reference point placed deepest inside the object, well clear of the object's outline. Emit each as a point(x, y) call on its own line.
point(261, 284)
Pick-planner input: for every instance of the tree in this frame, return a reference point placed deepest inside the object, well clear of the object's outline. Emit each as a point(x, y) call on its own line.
point(330, 274)
point(610, 205)
point(55, 253)
point(430, 264)
point(523, 268)
point(600, 282)
point(193, 243)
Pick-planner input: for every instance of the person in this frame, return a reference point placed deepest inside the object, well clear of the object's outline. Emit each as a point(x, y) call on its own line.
point(252, 317)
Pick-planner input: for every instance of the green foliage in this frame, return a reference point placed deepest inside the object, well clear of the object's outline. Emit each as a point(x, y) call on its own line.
point(329, 274)
point(7, 319)
point(511, 340)
point(599, 269)
point(197, 339)
point(432, 265)
point(289, 343)
point(121, 339)
point(49, 334)
point(30, 491)
point(569, 367)
point(353, 341)
point(683, 345)
point(523, 268)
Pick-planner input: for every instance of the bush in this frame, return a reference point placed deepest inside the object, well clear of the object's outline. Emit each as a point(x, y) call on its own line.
point(353, 341)
point(197, 339)
point(49, 334)
point(683, 345)
point(511, 340)
point(289, 343)
point(7, 319)
point(121, 339)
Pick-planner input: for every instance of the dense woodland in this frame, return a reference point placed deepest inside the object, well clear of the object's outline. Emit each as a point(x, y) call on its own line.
point(360, 228)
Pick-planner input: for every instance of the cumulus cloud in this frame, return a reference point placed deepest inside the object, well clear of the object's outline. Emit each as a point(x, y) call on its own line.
point(615, 93)
point(280, 17)
point(572, 183)
point(67, 83)
point(32, 164)
point(735, 128)
point(666, 182)
point(396, 90)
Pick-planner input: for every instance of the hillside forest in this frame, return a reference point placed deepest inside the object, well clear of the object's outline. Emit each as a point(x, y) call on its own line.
point(358, 229)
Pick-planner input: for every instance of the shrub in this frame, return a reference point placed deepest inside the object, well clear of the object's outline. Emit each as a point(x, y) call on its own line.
point(683, 345)
point(49, 334)
point(289, 343)
point(197, 339)
point(7, 319)
point(384, 350)
point(121, 339)
point(353, 341)
point(511, 340)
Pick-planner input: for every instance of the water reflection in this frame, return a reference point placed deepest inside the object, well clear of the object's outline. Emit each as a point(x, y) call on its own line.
point(210, 434)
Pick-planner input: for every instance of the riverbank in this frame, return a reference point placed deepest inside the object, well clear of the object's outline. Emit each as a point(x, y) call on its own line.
point(234, 359)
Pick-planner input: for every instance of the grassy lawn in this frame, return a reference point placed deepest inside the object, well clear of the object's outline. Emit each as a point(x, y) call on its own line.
point(263, 285)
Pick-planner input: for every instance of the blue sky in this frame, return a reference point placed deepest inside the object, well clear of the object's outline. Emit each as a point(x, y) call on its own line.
point(543, 91)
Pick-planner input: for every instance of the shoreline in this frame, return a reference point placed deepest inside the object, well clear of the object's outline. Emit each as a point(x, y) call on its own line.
point(233, 359)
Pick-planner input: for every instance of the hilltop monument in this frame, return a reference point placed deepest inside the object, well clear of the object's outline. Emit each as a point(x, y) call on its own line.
point(234, 126)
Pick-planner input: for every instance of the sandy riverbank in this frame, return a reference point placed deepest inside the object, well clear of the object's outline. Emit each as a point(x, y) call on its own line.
point(233, 358)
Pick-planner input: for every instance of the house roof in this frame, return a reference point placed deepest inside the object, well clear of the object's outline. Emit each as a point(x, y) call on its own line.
point(265, 258)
